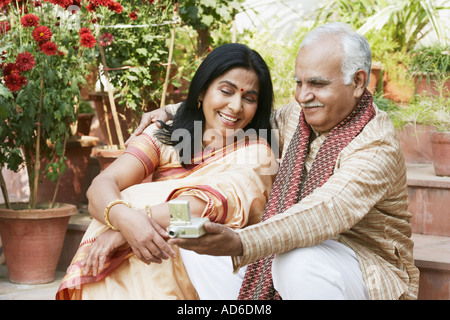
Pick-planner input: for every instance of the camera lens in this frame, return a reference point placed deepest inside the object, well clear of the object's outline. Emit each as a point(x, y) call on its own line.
point(172, 233)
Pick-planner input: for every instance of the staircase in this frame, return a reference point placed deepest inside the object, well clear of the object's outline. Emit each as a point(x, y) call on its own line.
point(429, 203)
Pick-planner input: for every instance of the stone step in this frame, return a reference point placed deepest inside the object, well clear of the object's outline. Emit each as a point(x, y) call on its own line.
point(429, 200)
point(432, 257)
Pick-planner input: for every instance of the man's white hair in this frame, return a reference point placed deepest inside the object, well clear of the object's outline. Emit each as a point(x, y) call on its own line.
point(356, 49)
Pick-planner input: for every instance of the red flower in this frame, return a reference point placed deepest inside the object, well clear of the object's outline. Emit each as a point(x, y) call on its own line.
point(25, 61)
point(41, 34)
point(133, 16)
point(9, 68)
point(84, 30)
point(29, 20)
point(15, 81)
point(49, 48)
point(100, 2)
point(106, 39)
point(115, 6)
point(62, 3)
point(90, 7)
point(88, 40)
point(4, 3)
point(4, 27)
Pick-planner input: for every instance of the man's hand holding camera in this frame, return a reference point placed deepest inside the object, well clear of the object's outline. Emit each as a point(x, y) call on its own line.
point(199, 234)
point(219, 240)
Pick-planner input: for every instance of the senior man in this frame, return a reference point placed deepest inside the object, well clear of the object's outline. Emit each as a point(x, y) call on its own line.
point(336, 225)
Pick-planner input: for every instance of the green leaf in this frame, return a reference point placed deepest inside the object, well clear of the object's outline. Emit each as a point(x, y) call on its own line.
point(207, 20)
point(4, 92)
point(142, 51)
point(131, 77)
point(209, 3)
point(193, 13)
point(224, 12)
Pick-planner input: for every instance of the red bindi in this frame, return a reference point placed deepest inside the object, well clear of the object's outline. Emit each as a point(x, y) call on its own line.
point(242, 89)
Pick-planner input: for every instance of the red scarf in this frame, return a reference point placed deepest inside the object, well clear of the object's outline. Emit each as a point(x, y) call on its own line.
point(288, 188)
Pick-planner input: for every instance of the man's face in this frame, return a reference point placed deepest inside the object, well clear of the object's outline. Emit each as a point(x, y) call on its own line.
point(321, 91)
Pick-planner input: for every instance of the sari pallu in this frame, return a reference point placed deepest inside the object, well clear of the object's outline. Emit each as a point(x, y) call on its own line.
point(235, 181)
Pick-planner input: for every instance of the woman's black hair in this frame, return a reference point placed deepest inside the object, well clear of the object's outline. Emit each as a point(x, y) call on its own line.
point(218, 62)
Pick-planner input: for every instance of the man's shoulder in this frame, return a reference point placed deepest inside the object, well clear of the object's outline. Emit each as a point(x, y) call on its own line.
point(380, 127)
point(378, 133)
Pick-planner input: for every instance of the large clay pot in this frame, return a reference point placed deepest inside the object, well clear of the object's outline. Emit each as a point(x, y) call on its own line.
point(106, 155)
point(375, 75)
point(440, 145)
point(428, 85)
point(396, 90)
point(415, 143)
point(32, 241)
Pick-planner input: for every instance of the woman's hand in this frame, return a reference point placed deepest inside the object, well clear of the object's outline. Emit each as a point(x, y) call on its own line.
point(105, 245)
point(145, 237)
point(148, 118)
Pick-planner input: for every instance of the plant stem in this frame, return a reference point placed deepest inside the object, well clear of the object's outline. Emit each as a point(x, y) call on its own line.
point(37, 165)
point(169, 64)
point(60, 174)
point(4, 190)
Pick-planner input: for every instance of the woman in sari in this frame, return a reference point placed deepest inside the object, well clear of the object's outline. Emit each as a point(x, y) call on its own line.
point(213, 155)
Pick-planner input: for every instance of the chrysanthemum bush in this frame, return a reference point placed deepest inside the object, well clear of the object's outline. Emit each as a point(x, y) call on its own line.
point(46, 48)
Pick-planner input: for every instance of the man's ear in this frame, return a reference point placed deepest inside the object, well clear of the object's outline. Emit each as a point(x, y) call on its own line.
point(360, 82)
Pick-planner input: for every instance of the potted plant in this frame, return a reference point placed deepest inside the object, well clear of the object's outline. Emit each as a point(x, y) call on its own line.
point(45, 48)
point(430, 64)
point(430, 116)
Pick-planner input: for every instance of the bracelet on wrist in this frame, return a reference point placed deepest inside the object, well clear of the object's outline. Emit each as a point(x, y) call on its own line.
point(149, 211)
point(108, 208)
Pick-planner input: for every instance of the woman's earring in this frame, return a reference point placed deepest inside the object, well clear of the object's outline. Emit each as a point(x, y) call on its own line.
point(199, 104)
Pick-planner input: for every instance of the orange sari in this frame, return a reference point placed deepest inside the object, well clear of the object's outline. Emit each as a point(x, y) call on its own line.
point(235, 181)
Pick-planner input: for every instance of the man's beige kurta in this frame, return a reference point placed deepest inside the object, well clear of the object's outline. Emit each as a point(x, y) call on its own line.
point(364, 205)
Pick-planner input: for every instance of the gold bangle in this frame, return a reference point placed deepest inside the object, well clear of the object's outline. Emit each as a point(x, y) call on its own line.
point(149, 211)
point(109, 206)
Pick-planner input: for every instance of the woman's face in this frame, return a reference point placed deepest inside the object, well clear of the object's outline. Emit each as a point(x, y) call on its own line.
point(229, 104)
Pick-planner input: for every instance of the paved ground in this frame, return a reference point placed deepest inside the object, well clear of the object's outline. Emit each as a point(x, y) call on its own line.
point(11, 291)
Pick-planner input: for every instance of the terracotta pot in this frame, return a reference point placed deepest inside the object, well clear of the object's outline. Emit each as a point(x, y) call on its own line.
point(415, 143)
point(440, 145)
point(84, 121)
point(397, 91)
point(32, 241)
point(106, 155)
point(78, 153)
point(375, 75)
point(422, 85)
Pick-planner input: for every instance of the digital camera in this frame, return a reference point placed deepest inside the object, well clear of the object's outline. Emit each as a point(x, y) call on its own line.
point(181, 223)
